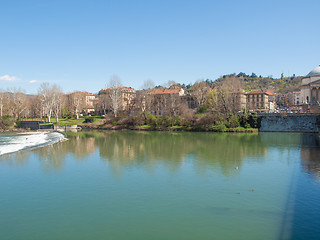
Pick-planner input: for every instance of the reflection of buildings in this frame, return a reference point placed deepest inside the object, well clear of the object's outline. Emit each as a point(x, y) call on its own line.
point(148, 150)
point(208, 151)
point(53, 157)
point(310, 151)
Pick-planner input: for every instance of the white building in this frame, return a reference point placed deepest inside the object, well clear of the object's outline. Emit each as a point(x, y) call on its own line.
point(297, 98)
point(310, 88)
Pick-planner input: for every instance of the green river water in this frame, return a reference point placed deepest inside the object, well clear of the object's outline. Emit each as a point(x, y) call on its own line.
point(163, 185)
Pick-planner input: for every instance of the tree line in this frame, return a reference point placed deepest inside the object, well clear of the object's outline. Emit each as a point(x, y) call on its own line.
point(204, 98)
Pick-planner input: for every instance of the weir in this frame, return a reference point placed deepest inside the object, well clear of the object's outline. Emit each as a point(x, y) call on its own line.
point(290, 122)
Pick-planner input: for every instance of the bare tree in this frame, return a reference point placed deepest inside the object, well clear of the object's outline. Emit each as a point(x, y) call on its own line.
point(18, 103)
point(114, 92)
point(46, 100)
point(7, 102)
point(102, 104)
point(170, 83)
point(148, 84)
point(76, 103)
point(35, 110)
point(57, 104)
point(50, 96)
point(199, 91)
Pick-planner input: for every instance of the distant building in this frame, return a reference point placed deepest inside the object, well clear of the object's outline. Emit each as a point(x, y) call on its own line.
point(310, 91)
point(271, 102)
point(90, 100)
point(80, 102)
point(239, 100)
point(165, 101)
point(310, 87)
point(297, 98)
point(174, 91)
point(257, 101)
point(125, 97)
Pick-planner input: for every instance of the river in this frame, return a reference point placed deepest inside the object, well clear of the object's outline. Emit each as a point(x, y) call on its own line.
point(163, 185)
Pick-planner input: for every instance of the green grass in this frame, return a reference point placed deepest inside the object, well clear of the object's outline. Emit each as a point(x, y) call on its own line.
point(80, 121)
point(69, 121)
point(176, 128)
point(242, 129)
point(142, 127)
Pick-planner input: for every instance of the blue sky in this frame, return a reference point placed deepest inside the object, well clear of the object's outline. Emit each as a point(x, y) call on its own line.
point(80, 44)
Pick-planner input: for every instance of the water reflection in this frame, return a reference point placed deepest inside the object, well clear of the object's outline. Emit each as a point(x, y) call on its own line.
point(19, 159)
point(209, 151)
point(218, 152)
point(310, 151)
point(54, 156)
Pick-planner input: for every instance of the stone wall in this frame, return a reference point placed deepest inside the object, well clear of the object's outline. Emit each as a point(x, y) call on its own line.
point(290, 123)
point(67, 128)
point(32, 125)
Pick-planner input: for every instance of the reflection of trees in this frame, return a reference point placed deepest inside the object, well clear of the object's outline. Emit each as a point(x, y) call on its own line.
point(53, 156)
point(148, 148)
point(18, 159)
point(227, 151)
point(223, 152)
point(310, 151)
point(209, 150)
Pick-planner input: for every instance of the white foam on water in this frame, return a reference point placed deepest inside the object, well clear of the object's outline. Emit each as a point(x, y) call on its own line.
point(18, 142)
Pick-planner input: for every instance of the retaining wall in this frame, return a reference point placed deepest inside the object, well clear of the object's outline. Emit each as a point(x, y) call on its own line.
point(290, 123)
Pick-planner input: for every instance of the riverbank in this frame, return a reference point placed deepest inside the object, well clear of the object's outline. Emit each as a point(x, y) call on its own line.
point(205, 122)
point(172, 128)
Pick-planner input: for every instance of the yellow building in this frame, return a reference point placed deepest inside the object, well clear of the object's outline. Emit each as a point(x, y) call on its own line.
point(124, 96)
point(257, 101)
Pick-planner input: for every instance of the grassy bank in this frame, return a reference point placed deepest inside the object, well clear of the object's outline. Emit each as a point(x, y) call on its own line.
point(199, 122)
point(212, 122)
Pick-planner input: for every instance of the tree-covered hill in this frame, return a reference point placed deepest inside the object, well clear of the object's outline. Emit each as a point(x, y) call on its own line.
point(252, 82)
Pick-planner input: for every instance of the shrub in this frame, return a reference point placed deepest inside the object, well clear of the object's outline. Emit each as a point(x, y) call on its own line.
point(207, 120)
point(220, 127)
point(202, 109)
point(254, 121)
point(139, 119)
point(151, 120)
point(6, 121)
point(18, 124)
point(234, 122)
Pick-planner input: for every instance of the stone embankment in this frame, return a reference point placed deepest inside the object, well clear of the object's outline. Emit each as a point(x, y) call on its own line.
point(67, 128)
point(295, 122)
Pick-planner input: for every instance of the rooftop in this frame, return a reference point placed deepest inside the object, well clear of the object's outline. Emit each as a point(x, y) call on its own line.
point(256, 92)
point(314, 72)
point(122, 88)
point(165, 91)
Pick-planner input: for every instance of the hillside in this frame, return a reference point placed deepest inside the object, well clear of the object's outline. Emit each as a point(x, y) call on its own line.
point(252, 82)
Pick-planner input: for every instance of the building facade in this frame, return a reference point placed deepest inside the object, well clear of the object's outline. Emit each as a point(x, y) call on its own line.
point(165, 101)
point(257, 101)
point(310, 91)
point(123, 96)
